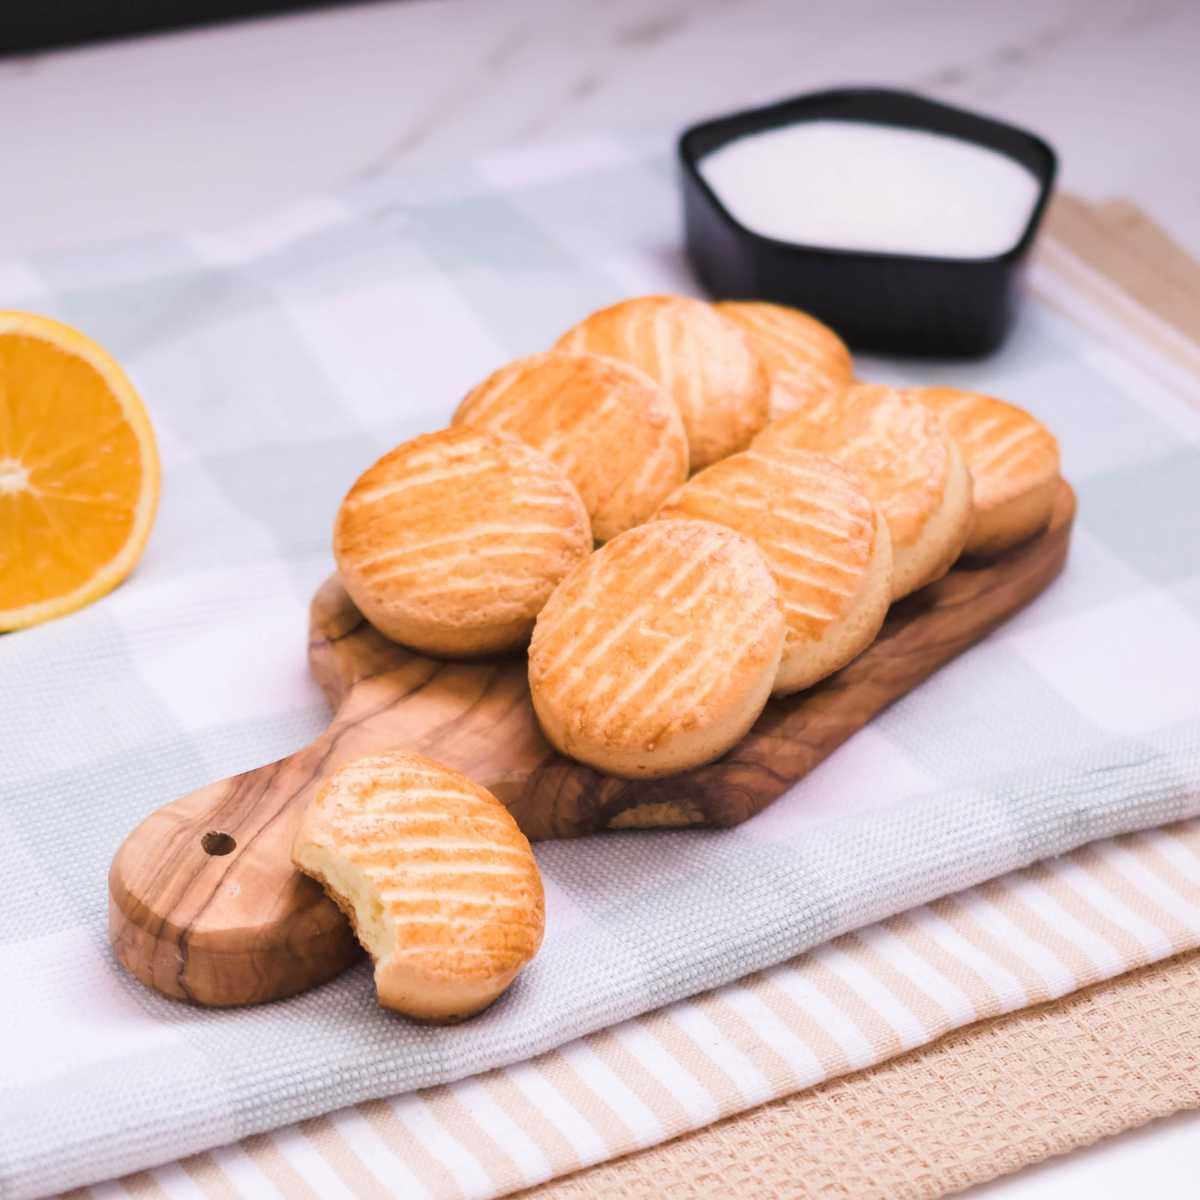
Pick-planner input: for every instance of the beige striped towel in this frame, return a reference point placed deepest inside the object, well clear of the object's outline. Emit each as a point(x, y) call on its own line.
point(980, 1103)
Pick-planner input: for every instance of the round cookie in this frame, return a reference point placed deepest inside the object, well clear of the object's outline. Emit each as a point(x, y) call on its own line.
point(803, 358)
point(703, 362)
point(1014, 464)
point(612, 429)
point(440, 884)
point(909, 464)
point(658, 652)
point(826, 544)
point(451, 543)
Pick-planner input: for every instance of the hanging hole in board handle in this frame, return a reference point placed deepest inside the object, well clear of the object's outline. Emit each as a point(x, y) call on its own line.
point(217, 843)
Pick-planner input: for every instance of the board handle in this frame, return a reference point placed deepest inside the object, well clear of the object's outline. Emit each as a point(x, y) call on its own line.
point(204, 902)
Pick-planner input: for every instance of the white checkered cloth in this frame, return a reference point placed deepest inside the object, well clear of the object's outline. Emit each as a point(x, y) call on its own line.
point(277, 362)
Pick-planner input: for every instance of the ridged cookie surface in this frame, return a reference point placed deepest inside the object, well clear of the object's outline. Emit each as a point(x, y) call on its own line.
point(1014, 463)
point(658, 652)
point(440, 884)
point(452, 542)
point(827, 546)
point(612, 429)
point(703, 362)
point(803, 358)
point(911, 467)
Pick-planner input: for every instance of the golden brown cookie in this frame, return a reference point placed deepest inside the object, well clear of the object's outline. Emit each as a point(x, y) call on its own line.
point(703, 362)
point(826, 544)
point(452, 542)
point(440, 884)
point(1014, 464)
point(912, 469)
point(658, 652)
point(804, 359)
point(611, 428)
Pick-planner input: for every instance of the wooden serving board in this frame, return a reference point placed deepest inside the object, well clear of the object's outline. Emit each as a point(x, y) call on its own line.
point(205, 905)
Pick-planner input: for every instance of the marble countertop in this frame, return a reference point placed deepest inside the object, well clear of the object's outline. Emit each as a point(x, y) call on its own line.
point(207, 127)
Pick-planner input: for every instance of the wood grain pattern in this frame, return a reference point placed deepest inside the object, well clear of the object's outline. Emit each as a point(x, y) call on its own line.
point(243, 926)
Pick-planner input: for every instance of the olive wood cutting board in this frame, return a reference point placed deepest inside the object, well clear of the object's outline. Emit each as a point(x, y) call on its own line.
point(205, 905)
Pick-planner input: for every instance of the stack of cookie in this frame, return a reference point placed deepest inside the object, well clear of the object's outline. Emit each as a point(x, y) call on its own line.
point(813, 502)
point(681, 509)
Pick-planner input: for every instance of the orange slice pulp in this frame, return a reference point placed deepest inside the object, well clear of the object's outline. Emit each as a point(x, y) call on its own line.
point(78, 471)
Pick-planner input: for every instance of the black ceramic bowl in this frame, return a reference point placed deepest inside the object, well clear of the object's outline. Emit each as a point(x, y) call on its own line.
point(898, 303)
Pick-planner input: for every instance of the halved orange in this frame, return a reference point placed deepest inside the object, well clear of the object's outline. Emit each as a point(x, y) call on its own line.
point(78, 471)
